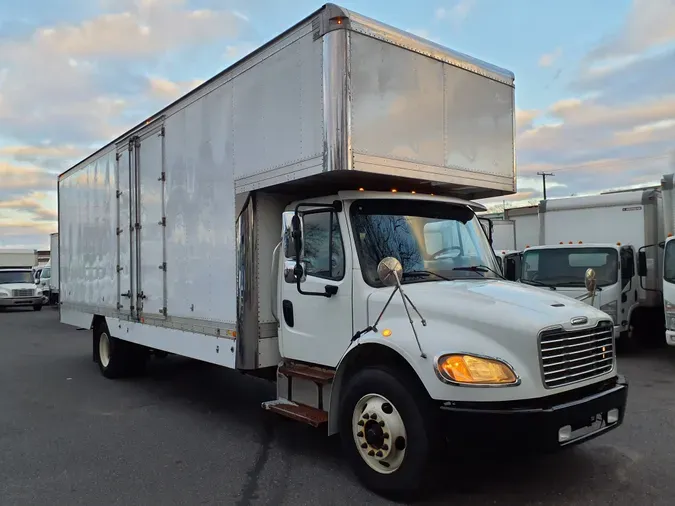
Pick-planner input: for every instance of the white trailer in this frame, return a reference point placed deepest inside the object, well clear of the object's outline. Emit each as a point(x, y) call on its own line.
point(607, 233)
point(668, 275)
point(266, 220)
point(504, 234)
point(526, 225)
point(18, 258)
point(49, 275)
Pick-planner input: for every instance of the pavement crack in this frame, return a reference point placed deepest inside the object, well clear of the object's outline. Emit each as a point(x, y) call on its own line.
point(249, 491)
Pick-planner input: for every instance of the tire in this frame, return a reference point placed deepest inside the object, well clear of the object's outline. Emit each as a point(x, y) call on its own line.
point(117, 358)
point(397, 469)
point(37, 308)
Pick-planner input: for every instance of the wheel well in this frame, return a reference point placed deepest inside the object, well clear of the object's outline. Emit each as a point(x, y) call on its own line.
point(361, 357)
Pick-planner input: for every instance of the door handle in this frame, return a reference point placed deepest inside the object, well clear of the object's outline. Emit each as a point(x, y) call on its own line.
point(287, 308)
point(128, 294)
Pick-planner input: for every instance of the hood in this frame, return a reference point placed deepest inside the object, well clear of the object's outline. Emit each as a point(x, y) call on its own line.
point(17, 286)
point(489, 306)
point(601, 296)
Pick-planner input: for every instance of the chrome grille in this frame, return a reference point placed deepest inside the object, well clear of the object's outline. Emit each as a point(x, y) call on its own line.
point(572, 356)
point(23, 292)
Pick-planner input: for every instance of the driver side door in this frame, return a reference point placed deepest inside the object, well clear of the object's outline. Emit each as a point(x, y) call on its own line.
point(313, 327)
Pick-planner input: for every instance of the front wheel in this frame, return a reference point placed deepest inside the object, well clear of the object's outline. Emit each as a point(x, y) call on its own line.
point(386, 432)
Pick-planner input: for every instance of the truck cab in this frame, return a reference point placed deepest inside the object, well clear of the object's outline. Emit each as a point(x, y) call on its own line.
point(561, 268)
point(669, 289)
point(17, 288)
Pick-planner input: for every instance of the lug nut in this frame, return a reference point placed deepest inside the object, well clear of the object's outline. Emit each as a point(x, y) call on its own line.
point(359, 433)
point(366, 417)
point(373, 416)
point(361, 423)
point(379, 454)
point(364, 445)
point(385, 447)
point(386, 435)
point(371, 453)
point(381, 423)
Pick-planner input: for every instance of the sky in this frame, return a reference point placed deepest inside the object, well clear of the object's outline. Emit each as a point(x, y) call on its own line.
point(595, 82)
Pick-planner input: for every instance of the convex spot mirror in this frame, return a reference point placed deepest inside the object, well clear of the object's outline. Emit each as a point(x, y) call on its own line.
point(390, 271)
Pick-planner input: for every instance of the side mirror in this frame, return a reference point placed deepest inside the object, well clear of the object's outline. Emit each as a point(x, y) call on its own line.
point(390, 271)
point(296, 231)
point(589, 281)
point(510, 269)
point(642, 264)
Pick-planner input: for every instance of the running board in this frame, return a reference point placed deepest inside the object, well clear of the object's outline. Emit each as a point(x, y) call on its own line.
point(317, 375)
point(298, 412)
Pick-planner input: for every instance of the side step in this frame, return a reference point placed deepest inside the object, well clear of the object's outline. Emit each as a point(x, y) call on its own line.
point(317, 375)
point(298, 412)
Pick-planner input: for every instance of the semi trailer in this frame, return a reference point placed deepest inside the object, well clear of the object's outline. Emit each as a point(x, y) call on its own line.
point(309, 214)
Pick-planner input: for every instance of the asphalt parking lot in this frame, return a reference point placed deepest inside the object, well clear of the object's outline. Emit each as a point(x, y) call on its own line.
point(192, 434)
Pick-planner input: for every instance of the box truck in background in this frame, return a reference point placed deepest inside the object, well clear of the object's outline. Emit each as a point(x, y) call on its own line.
point(604, 232)
point(526, 225)
point(49, 277)
point(307, 213)
point(668, 275)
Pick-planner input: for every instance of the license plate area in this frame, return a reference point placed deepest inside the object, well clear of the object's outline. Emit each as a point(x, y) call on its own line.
point(596, 423)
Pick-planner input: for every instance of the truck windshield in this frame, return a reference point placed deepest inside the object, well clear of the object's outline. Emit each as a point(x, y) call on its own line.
point(432, 240)
point(567, 266)
point(16, 277)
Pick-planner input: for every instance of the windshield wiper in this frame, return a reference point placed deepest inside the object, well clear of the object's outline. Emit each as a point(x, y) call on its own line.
point(536, 283)
point(411, 274)
point(480, 269)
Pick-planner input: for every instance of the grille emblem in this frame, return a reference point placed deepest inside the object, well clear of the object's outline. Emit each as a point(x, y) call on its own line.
point(579, 320)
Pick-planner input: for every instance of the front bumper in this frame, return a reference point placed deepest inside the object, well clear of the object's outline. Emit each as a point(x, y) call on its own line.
point(670, 337)
point(21, 301)
point(538, 424)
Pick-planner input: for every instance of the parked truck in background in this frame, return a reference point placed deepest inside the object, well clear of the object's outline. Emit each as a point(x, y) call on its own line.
point(49, 277)
point(668, 246)
point(308, 214)
point(605, 232)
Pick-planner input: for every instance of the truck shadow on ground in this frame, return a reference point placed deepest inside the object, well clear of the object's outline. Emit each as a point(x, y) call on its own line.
point(475, 478)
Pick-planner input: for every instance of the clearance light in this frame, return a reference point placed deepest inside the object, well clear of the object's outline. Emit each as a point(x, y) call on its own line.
point(581, 242)
point(386, 332)
point(472, 370)
point(561, 242)
point(571, 242)
point(527, 246)
point(618, 244)
point(362, 189)
point(432, 194)
point(394, 190)
point(670, 234)
point(413, 192)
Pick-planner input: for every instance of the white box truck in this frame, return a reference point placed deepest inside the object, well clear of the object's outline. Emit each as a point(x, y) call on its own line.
point(605, 232)
point(49, 275)
point(307, 212)
point(668, 274)
point(526, 225)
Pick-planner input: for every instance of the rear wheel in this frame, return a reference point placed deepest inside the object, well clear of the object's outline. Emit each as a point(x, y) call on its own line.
point(117, 358)
point(386, 432)
point(37, 307)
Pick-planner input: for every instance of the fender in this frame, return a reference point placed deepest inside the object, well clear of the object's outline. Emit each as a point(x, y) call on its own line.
point(393, 351)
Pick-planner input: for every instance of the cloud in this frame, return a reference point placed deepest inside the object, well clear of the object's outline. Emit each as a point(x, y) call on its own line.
point(45, 156)
point(171, 90)
point(548, 59)
point(457, 13)
point(649, 24)
point(237, 51)
point(20, 178)
point(31, 204)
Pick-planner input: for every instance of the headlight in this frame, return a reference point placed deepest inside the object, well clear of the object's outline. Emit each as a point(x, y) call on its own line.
point(610, 309)
point(4, 294)
point(473, 370)
point(670, 315)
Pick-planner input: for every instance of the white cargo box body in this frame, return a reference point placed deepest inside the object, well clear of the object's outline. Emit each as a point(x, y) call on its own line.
point(526, 221)
point(54, 262)
point(152, 224)
point(18, 258)
point(630, 218)
point(503, 234)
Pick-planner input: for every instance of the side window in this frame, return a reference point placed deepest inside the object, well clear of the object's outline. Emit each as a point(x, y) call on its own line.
point(669, 262)
point(627, 266)
point(322, 240)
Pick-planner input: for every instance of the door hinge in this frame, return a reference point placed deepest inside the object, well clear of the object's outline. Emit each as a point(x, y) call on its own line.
point(137, 142)
point(163, 266)
point(119, 306)
point(162, 310)
point(118, 156)
point(119, 193)
point(162, 221)
point(141, 295)
point(119, 268)
point(161, 132)
point(162, 177)
point(119, 231)
point(137, 226)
